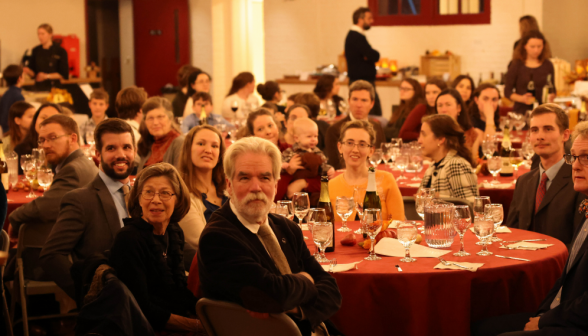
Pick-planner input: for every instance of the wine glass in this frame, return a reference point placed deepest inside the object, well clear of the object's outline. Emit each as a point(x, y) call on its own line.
point(44, 177)
point(90, 138)
point(386, 151)
point(371, 222)
point(483, 229)
point(495, 213)
point(376, 157)
point(285, 208)
point(416, 163)
point(401, 163)
point(528, 151)
point(38, 155)
point(30, 171)
point(516, 159)
point(407, 235)
point(301, 205)
point(322, 234)
point(494, 167)
point(358, 196)
point(461, 223)
point(344, 206)
point(422, 197)
point(23, 159)
point(316, 216)
point(488, 148)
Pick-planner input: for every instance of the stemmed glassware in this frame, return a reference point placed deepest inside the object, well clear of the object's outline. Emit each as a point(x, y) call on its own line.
point(371, 223)
point(479, 209)
point(376, 157)
point(401, 163)
point(344, 207)
point(44, 177)
point(488, 148)
point(415, 163)
point(422, 197)
point(527, 150)
point(301, 205)
point(38, 154)
point(461, 223)
point(285, 208)
point(386, 153)
point(316, 216)
point(494, 167)
point(407, 235)
point(23, 159)
point(358, 196)
point(90, 138)
point(495, 213)
point(516, 159)
point(322, 234)
point(483, 229)
point(30, 171)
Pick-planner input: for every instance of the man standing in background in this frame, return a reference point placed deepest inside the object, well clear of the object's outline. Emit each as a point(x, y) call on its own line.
point(360, 55)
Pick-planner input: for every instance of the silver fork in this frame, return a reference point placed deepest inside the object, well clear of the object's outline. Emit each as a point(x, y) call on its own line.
point(333, 263)
point(446, 263)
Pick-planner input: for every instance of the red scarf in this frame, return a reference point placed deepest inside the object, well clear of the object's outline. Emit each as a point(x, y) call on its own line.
point(160, 146)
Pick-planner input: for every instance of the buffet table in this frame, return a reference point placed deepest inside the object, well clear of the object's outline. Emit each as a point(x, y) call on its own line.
point(420, 300)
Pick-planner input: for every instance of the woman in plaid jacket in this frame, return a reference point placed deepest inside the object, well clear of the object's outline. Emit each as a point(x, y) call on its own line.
point(451, 175)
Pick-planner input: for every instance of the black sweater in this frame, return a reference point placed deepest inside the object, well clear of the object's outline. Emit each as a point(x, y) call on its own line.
point(158, 284)
point(361, 58)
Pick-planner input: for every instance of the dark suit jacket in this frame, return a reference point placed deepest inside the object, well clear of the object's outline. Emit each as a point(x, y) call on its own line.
point(76, 172)
point(332, 139)
point(234, 266)
point(573, 309)
point(361, 57)
point(558, 214)
point(87, 224)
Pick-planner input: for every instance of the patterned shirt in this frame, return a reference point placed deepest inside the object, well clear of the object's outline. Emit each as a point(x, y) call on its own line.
point(289, 153)
point(193, 120)
point(88, 126)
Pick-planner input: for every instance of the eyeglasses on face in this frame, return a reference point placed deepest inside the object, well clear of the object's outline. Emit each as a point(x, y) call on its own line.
point(570, 159)
point(41, 141)
point(150, 194)
point(350, 144)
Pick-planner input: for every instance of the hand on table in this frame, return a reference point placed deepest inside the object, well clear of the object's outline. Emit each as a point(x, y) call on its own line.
point(533, 324)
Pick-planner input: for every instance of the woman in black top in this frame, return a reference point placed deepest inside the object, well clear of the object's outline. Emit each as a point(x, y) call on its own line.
point(147, 253)
point(49, 62)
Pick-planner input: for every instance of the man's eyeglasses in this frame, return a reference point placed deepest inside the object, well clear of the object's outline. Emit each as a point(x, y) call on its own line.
point(50, 140)
point(350, 144)
point(570, 159)
point(164, 195)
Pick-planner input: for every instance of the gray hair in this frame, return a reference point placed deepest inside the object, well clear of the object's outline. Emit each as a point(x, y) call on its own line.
point(581, 129)
point(252, 145)
point(360, 85)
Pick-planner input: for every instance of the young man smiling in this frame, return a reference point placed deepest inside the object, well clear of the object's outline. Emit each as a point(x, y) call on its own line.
point(544, 200)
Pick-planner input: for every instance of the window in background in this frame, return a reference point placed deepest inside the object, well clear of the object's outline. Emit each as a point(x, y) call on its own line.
point(429, 12)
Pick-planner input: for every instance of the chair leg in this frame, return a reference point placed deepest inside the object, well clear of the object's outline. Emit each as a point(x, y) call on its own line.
point(6, 314)
point(23, 298)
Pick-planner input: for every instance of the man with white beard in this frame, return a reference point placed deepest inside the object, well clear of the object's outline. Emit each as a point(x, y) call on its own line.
point(257, 259)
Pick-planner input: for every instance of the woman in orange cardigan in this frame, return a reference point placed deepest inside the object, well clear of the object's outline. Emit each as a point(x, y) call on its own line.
point(355, 145)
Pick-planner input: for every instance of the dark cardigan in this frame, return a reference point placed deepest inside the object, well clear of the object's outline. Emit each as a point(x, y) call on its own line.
point(158, 284)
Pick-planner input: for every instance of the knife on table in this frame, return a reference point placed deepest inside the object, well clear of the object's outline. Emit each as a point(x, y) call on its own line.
point(521, 259)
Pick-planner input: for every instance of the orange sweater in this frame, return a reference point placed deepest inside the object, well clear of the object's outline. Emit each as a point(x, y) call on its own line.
point(390, 197)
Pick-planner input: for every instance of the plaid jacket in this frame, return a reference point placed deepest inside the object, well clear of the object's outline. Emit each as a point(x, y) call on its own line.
point(290, 152)
point(453, 177)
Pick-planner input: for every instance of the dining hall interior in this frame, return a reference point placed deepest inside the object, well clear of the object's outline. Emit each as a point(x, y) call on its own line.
point(294, 167)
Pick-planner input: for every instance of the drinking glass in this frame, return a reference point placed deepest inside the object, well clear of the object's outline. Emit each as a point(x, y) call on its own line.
point(376, 157)
point(285, 208)
point(461, 223)
point(90, 138)
point(23, 159)
point(371, 222)
point(44, 177)
point(38, 154)
point(516, 159)
point(316, 216)
point(415, 163)
point(358, 196)
point(488, 148)
point(30, 172)
point(386, 151)
point(528, 151)
point(439, 231)
point(495, 213)
point(480, 206)
point(422, 197)
point(301, 205)
point(483, 229)
point(494, 167)
point(401, 163)
point(407, 235)
point(344, 207)
point(322, 234)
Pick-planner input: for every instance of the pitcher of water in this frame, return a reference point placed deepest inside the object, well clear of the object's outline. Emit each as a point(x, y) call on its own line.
point(439, 231)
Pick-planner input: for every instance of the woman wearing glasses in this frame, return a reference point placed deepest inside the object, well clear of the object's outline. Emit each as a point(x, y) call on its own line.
point(412, 125)
point(411, 95)
point(355, 145)
point(147, 253)
point(161, 141)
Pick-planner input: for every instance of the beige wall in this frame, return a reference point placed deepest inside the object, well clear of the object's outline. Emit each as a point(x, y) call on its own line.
point(201, 33)
point(564, 28)
point(19, 21)
point(302, 34)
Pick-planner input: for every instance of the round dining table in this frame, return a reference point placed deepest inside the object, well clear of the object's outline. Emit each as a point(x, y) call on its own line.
point(16, 199)
point(378, 299)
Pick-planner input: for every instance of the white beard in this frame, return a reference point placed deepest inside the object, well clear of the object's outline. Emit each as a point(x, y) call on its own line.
point(254, 212)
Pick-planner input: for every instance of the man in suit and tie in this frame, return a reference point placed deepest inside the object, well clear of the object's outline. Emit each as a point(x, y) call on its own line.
point(361, 100)
point(544, 199)
point(565, 309)
point(360, 55)
point(90, 217)
point(260, 260)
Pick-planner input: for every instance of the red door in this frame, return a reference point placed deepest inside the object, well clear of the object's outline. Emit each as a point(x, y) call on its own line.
point(162, 42)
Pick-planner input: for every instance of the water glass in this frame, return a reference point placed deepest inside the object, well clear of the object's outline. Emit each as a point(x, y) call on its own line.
point(12, 163)
point(358, 196)
point(38, 155)
point(439, 231)
point(407, 235)
point(344, 207)
point(30, 171)
point(44, 177)
point(23, 159)
point(494, 167)
point(461, 223)
point(415, 163)
point(285, 208)
point(90, 138)
point(322, 234)
point(316, 215)
point(376, 157)
point(483, 229)
point(301, 204)
point(495, 213)
point(371, 223)
point(488, 148)
point(422, 197)
point(401, 163)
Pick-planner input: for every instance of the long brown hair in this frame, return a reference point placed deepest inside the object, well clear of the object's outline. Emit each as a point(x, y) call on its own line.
point(473, 110)
point(240, 81)
point(17, 110)
point(187, 171)
point(147, 140)
point(521, 54)
point(438, 82)
point(408, 105)
point(443, 126)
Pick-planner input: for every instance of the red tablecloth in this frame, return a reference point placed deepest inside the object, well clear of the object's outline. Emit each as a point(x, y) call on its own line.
point(379, 300)
point(16, 199)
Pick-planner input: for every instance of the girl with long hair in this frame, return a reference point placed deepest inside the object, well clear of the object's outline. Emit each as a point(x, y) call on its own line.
point(240, 97)
point(411, 127)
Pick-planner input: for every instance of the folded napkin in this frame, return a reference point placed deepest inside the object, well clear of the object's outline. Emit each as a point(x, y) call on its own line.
point(393, 248)
point(341, 267)
point(496, 186)
point(527, 246)
point(474, 266)
point(501, 229)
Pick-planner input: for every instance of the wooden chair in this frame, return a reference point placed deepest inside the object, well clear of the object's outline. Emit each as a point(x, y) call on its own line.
point(4, 245)
point(221, 318)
